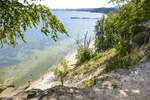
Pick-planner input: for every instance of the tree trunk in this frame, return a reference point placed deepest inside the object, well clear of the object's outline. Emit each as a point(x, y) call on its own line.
point(62, 81)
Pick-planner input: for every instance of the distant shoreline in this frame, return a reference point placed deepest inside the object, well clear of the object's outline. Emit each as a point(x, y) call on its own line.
point(83, 18)
point(92, 10)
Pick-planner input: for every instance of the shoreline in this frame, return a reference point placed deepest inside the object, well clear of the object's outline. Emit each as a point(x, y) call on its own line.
point(48, 80)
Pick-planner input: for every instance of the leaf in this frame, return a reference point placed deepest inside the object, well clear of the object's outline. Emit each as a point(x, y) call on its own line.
point(17, 17)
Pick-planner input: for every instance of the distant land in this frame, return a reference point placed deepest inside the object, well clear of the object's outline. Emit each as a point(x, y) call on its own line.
point(94, 10)
point(83, 18)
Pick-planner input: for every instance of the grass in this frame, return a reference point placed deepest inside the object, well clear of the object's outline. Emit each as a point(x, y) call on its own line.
point(90, 70)
point(95, 62)
point(87, 84)
point(91, 82)
point(118, 62)
point(112, 64)
point(90, 67)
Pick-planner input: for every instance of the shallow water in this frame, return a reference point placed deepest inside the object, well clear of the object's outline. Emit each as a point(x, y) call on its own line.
point(28, 61)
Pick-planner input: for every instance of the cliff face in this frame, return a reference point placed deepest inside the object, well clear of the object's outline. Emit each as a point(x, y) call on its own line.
point(124, 84)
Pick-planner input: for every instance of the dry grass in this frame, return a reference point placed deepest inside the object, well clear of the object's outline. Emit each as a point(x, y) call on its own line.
point(95, 62)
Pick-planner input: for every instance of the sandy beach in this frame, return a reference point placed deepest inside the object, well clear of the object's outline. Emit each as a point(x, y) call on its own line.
point(49, 80)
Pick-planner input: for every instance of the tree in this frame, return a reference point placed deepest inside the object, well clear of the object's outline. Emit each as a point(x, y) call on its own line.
point(116, 30)
point(118, 2)
point(104, 29)
point(16, 17)
point(100, 34)
point(123, 1)
point(61, 70)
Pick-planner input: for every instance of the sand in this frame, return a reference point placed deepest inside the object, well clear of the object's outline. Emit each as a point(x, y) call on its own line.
point(49, 79)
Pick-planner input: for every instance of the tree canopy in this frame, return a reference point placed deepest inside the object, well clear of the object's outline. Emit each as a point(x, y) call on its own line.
point(16, 17)
point(116, 30)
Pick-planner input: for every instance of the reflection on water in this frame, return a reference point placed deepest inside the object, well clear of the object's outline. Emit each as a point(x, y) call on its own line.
point(27, 62)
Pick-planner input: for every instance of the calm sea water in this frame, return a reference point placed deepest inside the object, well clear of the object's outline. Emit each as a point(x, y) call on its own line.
point(28, 61)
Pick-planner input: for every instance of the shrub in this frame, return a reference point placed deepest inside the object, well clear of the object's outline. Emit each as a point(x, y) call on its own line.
point(121, 31)
point(122, 46)
point(123, 23)
point(104, 29)
point(118, 62)
point(83, 54)
point(87, 84)
point(61, 70)
point(137, 29)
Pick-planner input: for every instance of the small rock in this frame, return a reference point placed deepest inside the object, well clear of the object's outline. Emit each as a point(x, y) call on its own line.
point(2, 89)
point(31, 95)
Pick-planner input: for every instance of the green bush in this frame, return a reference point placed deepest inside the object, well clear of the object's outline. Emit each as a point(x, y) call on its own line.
point(118, 62)
point(143, 11)
point(123, 25)
point(104, 29)
point(137, 29)
point(118, 31)
point(83, 54)
point(61, 70)
point(122, 47)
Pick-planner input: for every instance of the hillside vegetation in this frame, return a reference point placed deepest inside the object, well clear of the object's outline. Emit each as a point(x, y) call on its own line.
point(121, 40)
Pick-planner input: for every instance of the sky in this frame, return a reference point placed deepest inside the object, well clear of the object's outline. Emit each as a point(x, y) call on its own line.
point(75, 3)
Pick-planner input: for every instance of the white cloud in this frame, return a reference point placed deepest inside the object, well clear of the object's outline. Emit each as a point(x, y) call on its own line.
point(76, 3)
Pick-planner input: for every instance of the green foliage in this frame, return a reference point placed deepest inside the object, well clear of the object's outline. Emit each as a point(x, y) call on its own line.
point(117, 1)
point(16, 18)
point(104, 32)
point(84, 52)
point(117, 29)
point(122, 47)
point(143, 11)
point(137, 29)
point(100, 42)
point(97, 60)
point(61, 70)
point(87, 84)
point(124, 1)
point(118, 62)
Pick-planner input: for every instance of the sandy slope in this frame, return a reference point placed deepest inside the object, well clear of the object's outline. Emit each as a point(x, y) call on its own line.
point(49, 79)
